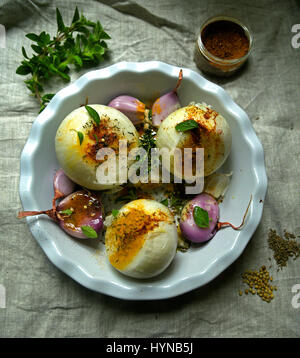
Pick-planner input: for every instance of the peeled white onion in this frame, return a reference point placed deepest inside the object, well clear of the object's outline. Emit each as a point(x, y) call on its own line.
point(79, 161)
point(213, 135)
point(141, 240)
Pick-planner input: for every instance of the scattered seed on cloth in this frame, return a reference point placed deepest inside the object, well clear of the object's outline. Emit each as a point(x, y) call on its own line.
point(283, 247)
point(259, 282)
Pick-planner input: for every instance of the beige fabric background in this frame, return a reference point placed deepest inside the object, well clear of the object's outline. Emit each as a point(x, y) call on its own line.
point(44, 302)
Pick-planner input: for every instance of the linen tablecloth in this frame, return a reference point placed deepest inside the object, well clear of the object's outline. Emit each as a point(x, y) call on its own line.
point(41, 301)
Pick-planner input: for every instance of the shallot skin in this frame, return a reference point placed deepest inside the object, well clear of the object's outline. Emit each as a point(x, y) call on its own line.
point(87, 211)
point(164, 106)
point(62, 184)
point(189, 228)
point(133, 108)
point(82, 208)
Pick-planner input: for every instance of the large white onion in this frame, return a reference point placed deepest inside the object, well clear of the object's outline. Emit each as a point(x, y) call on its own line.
point(213, 135)
point(79, 160)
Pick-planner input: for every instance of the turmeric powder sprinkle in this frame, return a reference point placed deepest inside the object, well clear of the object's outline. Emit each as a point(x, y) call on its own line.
point(127, 233)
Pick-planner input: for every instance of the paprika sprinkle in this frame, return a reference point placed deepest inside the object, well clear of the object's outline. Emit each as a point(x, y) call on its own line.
point(223, 45)
point(225, 39)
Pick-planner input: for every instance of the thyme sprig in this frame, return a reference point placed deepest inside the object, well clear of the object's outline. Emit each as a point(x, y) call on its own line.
point(80, 44)
point(148, 141)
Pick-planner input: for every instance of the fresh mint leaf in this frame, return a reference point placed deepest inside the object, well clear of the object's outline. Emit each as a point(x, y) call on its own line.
point(23, 70)
point(89, 232)
point(165, 202)
point(79, 134)
point(37, 49)
point(78, 61)
point(48, 96)
point(76, 15)
point(104, 36)
point(115, 213)
point(80, 137)
point(32, 37)
point(24, 52)
point(201, 217)
point(45, 100)
point(66, 212)
point(64, 76)
point(60, 22)
point(186, 125)
point(93, 114)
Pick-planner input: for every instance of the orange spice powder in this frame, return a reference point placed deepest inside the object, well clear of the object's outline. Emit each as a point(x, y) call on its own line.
point(127, 234)
point(225, 39)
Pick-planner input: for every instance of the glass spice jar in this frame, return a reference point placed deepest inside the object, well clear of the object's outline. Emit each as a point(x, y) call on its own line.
point(229, 63)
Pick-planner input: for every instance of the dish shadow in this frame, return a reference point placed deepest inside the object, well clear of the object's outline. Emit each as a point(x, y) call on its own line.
point(223, 80)
point(167, 272)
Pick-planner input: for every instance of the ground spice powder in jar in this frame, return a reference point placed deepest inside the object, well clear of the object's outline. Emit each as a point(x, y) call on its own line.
point(225, 39)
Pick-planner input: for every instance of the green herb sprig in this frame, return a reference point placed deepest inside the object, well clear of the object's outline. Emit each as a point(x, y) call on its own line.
point(80, 44)
point(130, 196)
point(148, 141)
point(176, 203)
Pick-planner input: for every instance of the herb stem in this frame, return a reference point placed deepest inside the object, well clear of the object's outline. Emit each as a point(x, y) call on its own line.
point(36, 90)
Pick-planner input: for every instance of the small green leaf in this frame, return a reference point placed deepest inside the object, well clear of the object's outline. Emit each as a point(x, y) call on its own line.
point(89, 232)
point(60, 22)
point(32, 37)
point(53, 68)
point(186, 125)
point(37, 49)
point(165, 202)
point(42, 108)
point(24, 52)
point(78, 61)
point(96, 137)
point(201, 217)
point(64, 76)
point(76, 15)
point(66, 212)
point(23, 70)
point(93, 114)
point(80, 137)
point(104, 35)
point(115, 213)
point(48, 96)
point(44, 38)
point(150, 115)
